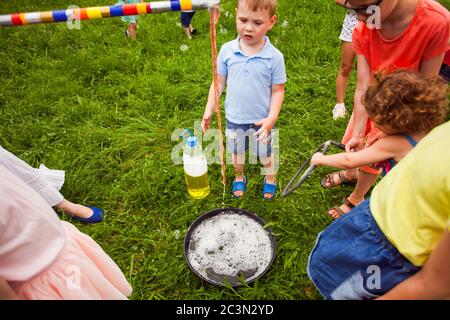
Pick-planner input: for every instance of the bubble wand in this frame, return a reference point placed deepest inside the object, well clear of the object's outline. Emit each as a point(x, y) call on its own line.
point(19, 19)
point(214, 16)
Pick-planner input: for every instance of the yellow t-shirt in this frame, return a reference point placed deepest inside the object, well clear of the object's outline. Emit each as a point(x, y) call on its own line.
point(411, 205)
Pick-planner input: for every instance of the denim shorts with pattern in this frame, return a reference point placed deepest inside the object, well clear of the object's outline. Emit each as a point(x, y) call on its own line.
point(353, 259)
point(240, 137)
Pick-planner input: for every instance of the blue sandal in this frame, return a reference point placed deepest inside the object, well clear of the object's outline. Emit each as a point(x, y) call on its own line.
point(97, 216)
point(270, 189)
point(239, 186)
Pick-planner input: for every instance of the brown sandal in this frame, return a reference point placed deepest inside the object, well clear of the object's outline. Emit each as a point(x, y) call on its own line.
point(339, 211)
point(328, 181)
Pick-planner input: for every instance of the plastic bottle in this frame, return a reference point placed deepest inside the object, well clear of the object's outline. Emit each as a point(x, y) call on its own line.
point(195, 169)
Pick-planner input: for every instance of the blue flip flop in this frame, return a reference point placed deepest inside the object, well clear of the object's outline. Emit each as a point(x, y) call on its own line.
point(97, 216)
point(270, 189)
point(239, 186)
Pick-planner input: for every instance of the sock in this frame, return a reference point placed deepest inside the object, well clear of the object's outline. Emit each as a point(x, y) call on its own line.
point(339, 110)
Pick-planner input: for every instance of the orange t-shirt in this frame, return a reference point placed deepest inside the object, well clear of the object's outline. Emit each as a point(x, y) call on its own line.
point(425, 38)
point(447, 58)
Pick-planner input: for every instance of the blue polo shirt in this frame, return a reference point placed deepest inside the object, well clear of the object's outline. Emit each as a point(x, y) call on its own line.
point(249, 80)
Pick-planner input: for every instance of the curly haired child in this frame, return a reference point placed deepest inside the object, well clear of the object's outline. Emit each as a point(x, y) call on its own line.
point(405, 105)
point(396, 244)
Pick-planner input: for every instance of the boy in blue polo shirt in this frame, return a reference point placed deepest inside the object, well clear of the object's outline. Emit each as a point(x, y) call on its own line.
point(254, 72)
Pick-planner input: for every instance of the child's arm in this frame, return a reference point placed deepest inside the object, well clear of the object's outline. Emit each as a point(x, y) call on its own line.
point(432, 281)
point(210, 105)
point(359, 111)
point(276, 101)
point(431, 67)
point(383, 149)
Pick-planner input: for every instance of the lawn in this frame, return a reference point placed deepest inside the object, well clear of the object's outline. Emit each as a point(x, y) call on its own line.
point(103, 109)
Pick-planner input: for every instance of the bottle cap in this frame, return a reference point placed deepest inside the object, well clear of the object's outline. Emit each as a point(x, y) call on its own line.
point(191, 142)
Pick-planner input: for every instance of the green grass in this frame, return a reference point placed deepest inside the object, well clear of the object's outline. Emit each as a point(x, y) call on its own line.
point(103, 108)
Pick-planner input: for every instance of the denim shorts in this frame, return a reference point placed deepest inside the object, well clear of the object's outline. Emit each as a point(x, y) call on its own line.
point(186, 18)
point(353, 259)
point(240, 137)
point(130, 19)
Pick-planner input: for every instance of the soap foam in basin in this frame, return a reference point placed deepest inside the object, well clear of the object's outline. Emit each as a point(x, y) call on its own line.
point(230, 245)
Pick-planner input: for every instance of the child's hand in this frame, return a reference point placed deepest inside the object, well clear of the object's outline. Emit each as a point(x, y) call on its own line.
point(206, 120)
point(354, 144)
point(266, 126)
point(316, 159)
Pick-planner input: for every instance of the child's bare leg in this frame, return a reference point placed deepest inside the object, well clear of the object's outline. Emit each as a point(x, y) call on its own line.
point(363, 185)
point(345, 68)
point(349, 174)
point(187, 31)
point(365, 181)
point(75, 209)
point(132, 31)
point(238, 164)
point(193, 30)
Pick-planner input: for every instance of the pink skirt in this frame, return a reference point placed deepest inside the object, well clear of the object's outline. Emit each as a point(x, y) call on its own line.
point(82, 271)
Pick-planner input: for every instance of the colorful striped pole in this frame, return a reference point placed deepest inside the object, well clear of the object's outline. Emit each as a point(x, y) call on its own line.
point(18, 19)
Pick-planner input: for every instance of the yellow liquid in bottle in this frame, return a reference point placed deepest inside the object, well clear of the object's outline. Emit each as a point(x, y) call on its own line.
point(198, 187)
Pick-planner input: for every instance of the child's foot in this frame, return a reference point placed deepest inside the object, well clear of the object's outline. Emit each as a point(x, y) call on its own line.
point(239, 186)
point(339, 111)
point(96, 217)
point(269, 187)
point(347, 206)
point(80, 212)
point(335, 179)
point(187, 32)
